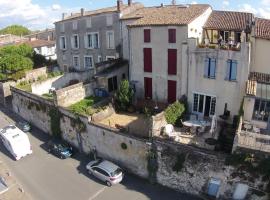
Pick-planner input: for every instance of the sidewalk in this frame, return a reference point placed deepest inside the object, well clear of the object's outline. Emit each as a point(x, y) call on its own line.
point(15, 191)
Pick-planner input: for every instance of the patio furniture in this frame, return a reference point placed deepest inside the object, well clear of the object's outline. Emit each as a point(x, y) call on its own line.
point(201, 130)
point(247, 127)
point(193, 117)
point(255, 129)
point(169, 129)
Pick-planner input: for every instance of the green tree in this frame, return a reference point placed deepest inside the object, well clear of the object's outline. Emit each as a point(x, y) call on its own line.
point(124, 95)
point(15, 30)
point(15, 61)
point(173, 112)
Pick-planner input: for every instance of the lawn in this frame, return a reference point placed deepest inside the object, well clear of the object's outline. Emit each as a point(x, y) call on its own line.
point(84, 107)
point(48, 96)
point(24, 86)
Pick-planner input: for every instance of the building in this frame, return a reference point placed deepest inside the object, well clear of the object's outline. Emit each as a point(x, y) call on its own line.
point(9, 39)
point(46, 48)
point(47, 34)
point(90, 37)
point(156, 37)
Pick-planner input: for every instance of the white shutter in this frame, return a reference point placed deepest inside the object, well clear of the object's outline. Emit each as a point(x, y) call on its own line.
point(85, 41)
point(206, 67)
point(88, 22)
point(72, 42)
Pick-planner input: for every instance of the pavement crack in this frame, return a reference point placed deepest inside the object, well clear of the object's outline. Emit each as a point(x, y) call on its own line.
point(97, 193)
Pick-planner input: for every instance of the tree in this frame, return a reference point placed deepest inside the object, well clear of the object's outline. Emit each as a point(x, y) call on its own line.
point(15, 61)
point(173, 112)
point(15, 30)
point(124, 95)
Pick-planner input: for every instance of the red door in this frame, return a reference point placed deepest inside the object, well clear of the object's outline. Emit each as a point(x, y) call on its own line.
point(171, 91)
point(148, 88)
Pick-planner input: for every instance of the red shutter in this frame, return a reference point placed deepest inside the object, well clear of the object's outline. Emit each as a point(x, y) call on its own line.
point(172, 61)
point(147, 35)
point(172, 35)
point(148, 87)
point(147, 56)
point(171, 91)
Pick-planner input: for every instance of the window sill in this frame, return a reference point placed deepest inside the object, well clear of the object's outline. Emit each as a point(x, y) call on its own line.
point(231, 80)
point(209, 77)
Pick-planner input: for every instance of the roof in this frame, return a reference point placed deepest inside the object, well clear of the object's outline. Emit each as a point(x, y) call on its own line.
point(262, 28)
point(101, 11)
point(228, 20)
point(38, 43)
point(166, 15)
point(12, 132)
point(108, 166)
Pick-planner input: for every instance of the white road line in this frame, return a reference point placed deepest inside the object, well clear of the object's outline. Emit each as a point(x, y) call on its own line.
point(97, 193)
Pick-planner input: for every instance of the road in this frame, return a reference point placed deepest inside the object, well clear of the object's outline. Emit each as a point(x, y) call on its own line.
point(46, 177)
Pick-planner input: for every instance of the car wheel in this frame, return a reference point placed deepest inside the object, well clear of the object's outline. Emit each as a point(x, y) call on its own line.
point(108, 183)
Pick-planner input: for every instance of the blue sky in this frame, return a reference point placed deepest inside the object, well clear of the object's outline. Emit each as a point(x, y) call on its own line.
point(40, 14)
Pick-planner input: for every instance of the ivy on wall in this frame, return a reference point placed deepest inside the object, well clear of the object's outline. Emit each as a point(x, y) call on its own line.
point(78, 124)
point(55, 117)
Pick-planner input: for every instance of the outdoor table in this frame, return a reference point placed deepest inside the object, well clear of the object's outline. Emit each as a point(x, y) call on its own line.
point(196, 123)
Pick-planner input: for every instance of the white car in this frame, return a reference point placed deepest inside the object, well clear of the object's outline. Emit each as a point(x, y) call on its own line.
point(106, 171)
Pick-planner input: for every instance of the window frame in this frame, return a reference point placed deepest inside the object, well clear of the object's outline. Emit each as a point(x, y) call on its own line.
point(229, 71)
point(92, 62)
point(73, 41)
point(74, 25)
point(65, 42)
point(265, 110)
point(73, 61)
point(88, 22)
point(208, 66)
point(108, 40)
point(110, 57)
point(147, 35)
point(213, 104)
point(87, 44)
point(172, 35)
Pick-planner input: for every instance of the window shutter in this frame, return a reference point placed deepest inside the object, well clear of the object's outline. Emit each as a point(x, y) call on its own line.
point(172, 61)
point(86, 41)
point(147, 35)
point(228, 70)
point(213, 68)
point(206, 67)
point(147, 59)
point(172, 35)
point(234, 70)
point(72, 42)
point(171, 91)
point(61, 43)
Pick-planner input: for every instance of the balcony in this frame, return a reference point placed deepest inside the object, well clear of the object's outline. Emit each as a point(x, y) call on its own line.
point(225, 46)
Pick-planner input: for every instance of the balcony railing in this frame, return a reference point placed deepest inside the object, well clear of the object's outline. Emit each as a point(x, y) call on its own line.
point(224, 46)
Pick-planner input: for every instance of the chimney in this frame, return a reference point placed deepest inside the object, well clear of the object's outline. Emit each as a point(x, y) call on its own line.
point(82, 11)
point(129, 2)
point(161, 5)
point(64, 15)
point(173, 2)
point(118, 5)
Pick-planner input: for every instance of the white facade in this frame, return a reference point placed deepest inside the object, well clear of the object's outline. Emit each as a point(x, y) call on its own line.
point(48, 51)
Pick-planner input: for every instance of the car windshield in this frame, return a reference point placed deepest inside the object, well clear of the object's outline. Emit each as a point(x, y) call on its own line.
point(97, 163)
point(116, 172)
point(62, 147)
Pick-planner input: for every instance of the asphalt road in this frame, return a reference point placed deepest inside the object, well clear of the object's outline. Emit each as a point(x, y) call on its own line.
point(46, 177)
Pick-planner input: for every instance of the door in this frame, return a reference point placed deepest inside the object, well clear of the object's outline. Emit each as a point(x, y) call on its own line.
point(148, 88)
point(207, 106)
point(171, 91)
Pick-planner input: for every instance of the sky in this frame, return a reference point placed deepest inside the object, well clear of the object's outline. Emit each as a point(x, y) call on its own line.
point(40, 14)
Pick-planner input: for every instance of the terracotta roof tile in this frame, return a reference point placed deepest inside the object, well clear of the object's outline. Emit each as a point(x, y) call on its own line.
point(228, 20)
point(38, 43)
point(166, 15)
point(262, 28)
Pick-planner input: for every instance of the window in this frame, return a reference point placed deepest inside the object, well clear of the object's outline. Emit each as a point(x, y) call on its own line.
point(76, 63)
point(112, 84)
point(92, 40)
point(100, 171)
point(147, 57)
point(231, 70)
point(75, 41)
point(62, 27)
point(210, 68)
point(172, 61)
point(110, 57)
point(261, 110)
point(109, 20)
point(171, 91)
point(88, 62)
point(75, 25)
point(172, 35)
point(225, 35)
point(88, 22)
point(110, 39)
point(147, 35)
point(99, 58)
point(204, 104)
point(148, 88)
point(62, 42)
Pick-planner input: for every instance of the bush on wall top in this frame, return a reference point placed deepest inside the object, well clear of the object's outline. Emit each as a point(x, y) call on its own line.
point(174, 112)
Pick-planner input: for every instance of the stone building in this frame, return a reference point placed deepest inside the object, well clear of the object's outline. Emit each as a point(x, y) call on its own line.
point(90, 37)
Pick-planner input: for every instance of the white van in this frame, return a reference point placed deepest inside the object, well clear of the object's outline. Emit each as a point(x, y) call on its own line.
point(16, 141)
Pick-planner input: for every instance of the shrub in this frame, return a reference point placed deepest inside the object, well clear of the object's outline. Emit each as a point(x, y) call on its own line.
point(174, 112)
point(124, 95)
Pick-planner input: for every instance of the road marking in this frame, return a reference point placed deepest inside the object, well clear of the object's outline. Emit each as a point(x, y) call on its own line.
point(97, 193)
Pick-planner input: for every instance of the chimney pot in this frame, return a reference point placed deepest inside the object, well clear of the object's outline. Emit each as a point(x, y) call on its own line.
point(129, 2)
point(64, 16)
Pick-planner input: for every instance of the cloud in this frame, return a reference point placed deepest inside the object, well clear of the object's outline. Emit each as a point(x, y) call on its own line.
point(226, 3)
point(29, 14)
point(56, 7)
point(194, 2)
point(247, 8)
point(263, 12)
point(265, 2)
